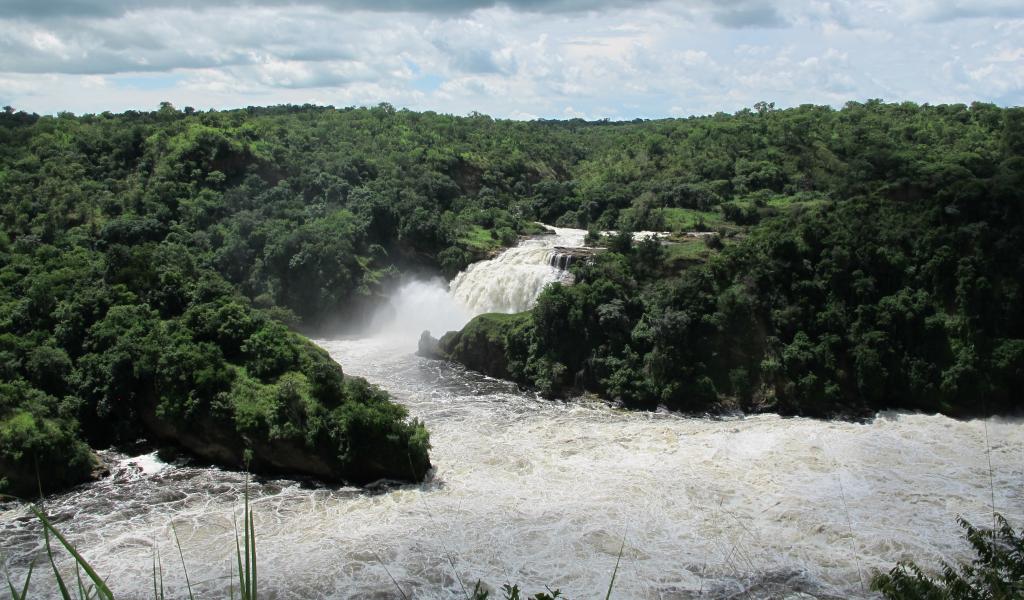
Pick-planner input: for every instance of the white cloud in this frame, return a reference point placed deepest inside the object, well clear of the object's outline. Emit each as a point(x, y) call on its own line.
point(1008, 55)
point(949, 10)
point(518, 59)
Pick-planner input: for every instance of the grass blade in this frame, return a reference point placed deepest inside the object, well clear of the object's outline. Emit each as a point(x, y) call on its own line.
point(238, 557)
point(28, 577)
point(160, 566)
point(24, 589)
point(247, 595)
point(248, 565)
point(451, 561)
point(53, 564)
point(101, 587)
point(393, 580)
point(158, 575)
point(82, 592)
point(615, 572)
point(181, 555)
point(231, 576)
point(156, 596)
point(252, 540)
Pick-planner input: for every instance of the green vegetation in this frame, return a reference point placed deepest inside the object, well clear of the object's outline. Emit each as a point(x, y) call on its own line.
point(96, 588)
point(482, 343)
point(679, 254)
point(152, 264)
point(996, 573)
point(879, 266)
point(688, 219)
point(148, 263)
point(482, 241)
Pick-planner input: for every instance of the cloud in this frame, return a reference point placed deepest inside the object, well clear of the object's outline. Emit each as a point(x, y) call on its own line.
point(154, 41)
point(520, 58)
point(749, 16)
point(35, 9)
point(951, 10)
point(830, 72)
point(472, 47)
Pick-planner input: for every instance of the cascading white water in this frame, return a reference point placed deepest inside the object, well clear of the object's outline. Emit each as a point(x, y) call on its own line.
point(511, 281)
point(540, 492)
point(419, 305)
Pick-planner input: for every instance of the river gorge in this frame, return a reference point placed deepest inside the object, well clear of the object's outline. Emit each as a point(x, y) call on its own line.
point(550, 493)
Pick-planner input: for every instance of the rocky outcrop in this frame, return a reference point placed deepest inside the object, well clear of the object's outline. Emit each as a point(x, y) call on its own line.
point(429, 346)
point(362, 452)
point(26, 478)
point(562, 257)
point(482, 345)
point(40, 453)
point(477, 349)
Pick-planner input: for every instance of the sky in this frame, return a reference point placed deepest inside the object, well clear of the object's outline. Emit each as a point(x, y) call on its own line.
point(520, 59)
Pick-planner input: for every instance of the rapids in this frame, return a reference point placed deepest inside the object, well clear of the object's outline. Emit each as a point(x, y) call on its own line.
point(540, 492)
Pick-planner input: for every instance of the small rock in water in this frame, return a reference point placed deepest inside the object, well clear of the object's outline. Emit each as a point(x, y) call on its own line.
point(428, 346)
point(100, 470)
point(127, 471)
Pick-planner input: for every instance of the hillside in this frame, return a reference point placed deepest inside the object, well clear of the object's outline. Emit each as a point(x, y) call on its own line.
point(153, 264)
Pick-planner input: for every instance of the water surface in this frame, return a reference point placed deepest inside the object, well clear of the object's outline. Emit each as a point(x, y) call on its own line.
point(545, 493)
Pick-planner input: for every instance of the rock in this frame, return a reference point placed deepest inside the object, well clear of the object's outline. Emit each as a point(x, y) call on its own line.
point(362, 455)
point(562, 257)
point(100, 469)
point(483, 344)
point(429, 346)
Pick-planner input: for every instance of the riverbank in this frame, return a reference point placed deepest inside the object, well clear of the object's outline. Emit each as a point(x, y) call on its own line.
point(538, 493)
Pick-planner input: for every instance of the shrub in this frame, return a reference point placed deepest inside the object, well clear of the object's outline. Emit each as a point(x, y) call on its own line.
point(997, 572)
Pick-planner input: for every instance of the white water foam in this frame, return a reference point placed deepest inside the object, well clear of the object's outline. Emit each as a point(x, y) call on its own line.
point(417, 306)
point(511, 281)
point(145, 464)
point(539, 493)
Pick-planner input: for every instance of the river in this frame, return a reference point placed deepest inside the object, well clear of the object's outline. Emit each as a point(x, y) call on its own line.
point(546, 493)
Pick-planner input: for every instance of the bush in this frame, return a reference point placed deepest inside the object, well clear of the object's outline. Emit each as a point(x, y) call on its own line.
point(997, 572)
point(38, 449)
point(270, 351)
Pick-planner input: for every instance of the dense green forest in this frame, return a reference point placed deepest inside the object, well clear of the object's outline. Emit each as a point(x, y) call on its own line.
point(870, 258)
point(156, 265)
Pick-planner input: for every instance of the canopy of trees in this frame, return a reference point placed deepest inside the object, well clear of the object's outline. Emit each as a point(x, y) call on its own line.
point(152, 265)
point(872, 260)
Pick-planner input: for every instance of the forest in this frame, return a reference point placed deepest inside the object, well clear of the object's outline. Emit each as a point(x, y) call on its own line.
point(160, 269)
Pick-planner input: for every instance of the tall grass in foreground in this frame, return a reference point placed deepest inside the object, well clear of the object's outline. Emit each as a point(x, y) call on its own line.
point(996, 573)
point(247, 578)
point(94, 587)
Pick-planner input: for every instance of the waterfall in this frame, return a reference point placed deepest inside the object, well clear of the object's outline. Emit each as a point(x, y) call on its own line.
point(511, 281)
point(508, 283)
point(419, 305)
point(561, 261)
point(539, 493)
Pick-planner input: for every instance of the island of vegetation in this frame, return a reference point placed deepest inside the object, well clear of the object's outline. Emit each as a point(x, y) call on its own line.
point(158, 269)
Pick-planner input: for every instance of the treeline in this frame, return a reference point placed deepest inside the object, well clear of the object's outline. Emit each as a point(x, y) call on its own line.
point(152, 264)
point(900, 287)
